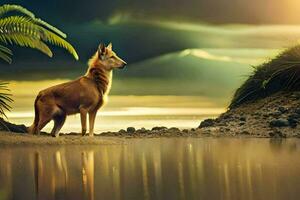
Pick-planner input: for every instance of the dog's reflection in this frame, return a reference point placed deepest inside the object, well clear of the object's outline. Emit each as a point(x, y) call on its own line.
point(50, 175)
point(88, 174)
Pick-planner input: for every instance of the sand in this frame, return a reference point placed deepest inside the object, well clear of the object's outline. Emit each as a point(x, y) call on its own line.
point(8, 138)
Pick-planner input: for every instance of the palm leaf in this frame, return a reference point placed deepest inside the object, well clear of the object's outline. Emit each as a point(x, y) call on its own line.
point(26, 41)
point(52, 38)
point(7, 8)
point(5, 98)
point(5, 54)
point(28, 31)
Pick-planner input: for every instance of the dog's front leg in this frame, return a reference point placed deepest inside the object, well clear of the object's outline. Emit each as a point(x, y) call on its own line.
point(83, 114)
point(92, 116)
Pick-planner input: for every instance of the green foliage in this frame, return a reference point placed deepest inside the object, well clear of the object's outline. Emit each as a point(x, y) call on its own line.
point(28, 31)
point(5, 98)
point(280, 74)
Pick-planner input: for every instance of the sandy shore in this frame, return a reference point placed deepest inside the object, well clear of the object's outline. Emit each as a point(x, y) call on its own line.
point(275, 116)
point(7, 138)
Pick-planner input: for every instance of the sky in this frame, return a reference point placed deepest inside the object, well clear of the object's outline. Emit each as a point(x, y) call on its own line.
point(144, 30)
point(209, 11)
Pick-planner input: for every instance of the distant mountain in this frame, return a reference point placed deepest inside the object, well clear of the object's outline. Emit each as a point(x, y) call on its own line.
point(209, 72)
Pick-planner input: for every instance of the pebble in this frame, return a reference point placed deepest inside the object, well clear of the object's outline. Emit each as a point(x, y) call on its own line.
point(297, 111)
point(276, 114)
point(282, 109)
point(174, 129)
point(279, 123)
point(245, 133)
point(130, 130)
point(122, 131)
point(159, 128)
point(277, 134)
point(293, 122)
point(185, 130)
point(243, 118)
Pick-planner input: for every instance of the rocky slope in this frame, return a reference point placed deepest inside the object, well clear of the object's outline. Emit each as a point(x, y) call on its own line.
point(275, 116)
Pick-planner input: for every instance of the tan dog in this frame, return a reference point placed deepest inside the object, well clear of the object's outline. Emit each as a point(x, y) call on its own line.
point(84, 95)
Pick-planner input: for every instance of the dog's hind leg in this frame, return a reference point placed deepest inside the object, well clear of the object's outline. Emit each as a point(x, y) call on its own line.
point(42, 123)
point(47, 113)
point(59, 121)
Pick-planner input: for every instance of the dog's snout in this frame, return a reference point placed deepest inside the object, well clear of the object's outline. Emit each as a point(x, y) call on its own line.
point(123, 65)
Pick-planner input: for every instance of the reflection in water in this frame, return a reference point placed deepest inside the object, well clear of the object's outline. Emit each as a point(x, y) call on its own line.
point(154, 169)
point(88, 174)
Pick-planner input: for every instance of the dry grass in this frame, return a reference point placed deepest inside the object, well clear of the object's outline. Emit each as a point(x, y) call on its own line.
point(279, 74)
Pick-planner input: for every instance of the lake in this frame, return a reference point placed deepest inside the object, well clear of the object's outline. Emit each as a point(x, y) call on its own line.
point(162, 168)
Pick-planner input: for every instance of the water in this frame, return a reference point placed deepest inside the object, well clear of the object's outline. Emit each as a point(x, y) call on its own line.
point(174, 168)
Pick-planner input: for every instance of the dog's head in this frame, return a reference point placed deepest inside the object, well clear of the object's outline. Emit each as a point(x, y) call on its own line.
point(107, 58)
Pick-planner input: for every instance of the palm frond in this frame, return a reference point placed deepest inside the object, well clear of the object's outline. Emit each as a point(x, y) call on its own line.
point(5, 99)
point(50, 27)
point(28, 31)
point(26, 41)
point(7, 8)
point(52, 38)
point(5, 54)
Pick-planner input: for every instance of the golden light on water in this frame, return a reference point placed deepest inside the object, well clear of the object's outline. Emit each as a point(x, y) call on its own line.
point(205, 168)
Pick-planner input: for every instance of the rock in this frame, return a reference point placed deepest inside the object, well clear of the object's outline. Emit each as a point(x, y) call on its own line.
point(174, 129)
point(277, 134)
point(279, 123)
point(293, 121)
point(245, 133)
point(207, 123)
point(6, 126)
point(243, 118)
point(122, 131)
point(282, 109)
point(276, 114)
point(142, 130)
point(159, 128)
point(297, 111)
point(294, 116)
point(116, 133)
point(242, 124)
point(266, 115)
point(257, 113)
point(130, 130)
point(185, 130)
point(225, 117)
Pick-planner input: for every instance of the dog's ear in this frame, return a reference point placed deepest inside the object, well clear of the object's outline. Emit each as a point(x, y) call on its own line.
point(109, 46)
point(101, 49)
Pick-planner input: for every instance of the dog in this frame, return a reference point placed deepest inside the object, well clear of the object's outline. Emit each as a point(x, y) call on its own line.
point(86, 95)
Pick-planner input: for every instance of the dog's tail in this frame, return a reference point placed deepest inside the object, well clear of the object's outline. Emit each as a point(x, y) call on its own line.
point(33, 127)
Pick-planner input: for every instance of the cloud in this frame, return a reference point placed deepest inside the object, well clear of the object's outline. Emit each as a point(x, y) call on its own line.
point(231, 55)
